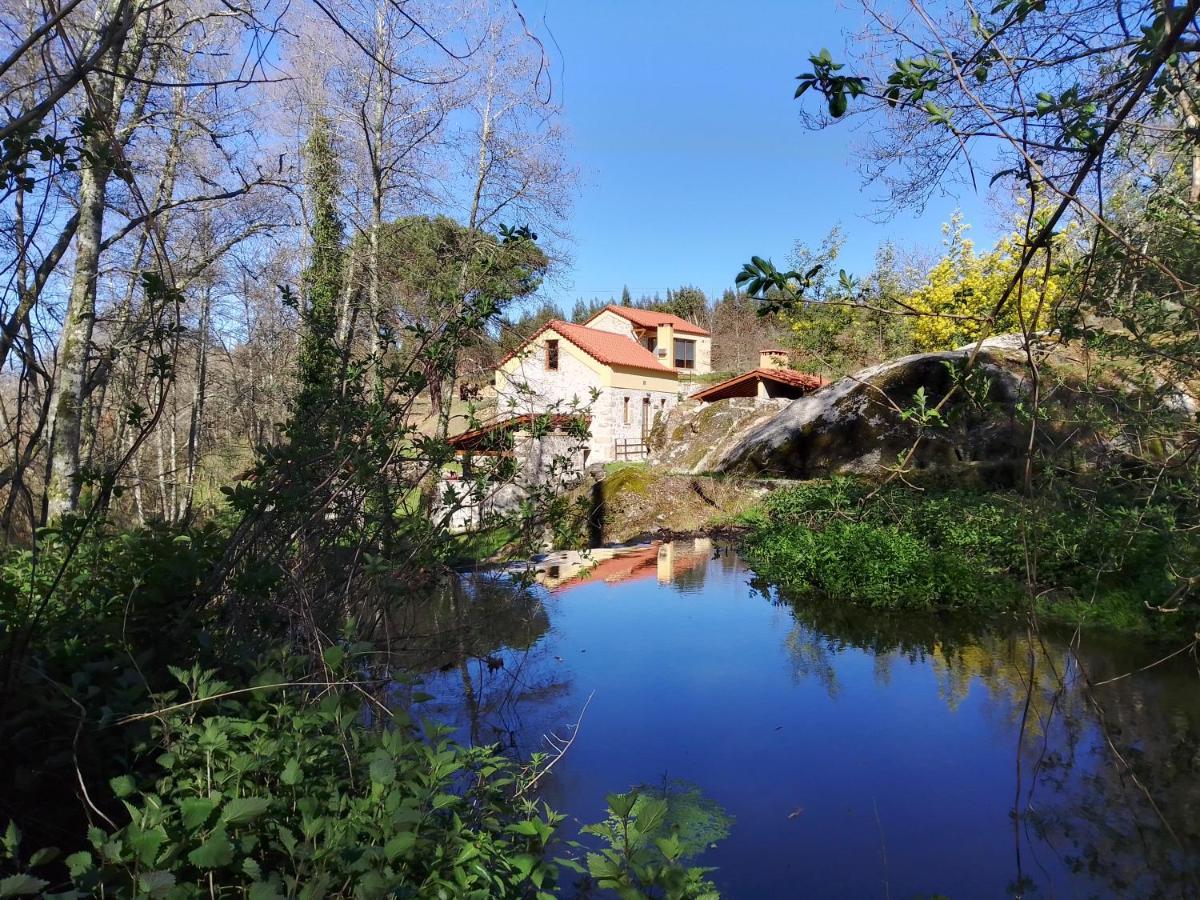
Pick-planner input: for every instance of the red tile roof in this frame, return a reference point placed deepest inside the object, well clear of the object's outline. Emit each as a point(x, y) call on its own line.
point(641, 563)
point(790, 377)
point(478, 439)
point(648, 318)
point(631, 565)
point(603, 346)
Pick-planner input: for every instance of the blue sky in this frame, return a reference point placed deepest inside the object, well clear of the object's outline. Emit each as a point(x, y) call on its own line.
point(690, 149)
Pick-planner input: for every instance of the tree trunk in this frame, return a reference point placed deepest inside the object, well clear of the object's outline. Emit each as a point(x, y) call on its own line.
point(63, 459)
point(199, 395)
point(62, 487)
point(163, 193)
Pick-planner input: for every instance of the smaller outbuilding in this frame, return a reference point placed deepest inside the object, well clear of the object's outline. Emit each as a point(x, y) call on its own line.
point(771, 380)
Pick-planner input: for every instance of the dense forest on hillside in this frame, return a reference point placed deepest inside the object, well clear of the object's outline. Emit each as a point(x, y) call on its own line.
point(251, 252)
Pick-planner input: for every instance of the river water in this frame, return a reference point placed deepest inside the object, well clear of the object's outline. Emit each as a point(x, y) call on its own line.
point(859, 756)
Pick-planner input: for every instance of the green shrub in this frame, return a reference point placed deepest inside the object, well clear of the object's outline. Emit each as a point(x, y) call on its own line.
point(286, 788)
point(271, 792)
point(650, 834)
point(878, 566)
point(1094, 561)
point(295, 784)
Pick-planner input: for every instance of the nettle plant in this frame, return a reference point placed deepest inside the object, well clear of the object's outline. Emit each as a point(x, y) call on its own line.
point(651, 833)
point(271, 791)
point(293, 787)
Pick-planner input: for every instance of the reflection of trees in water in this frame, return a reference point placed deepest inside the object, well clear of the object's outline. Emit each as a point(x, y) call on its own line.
point(504, 704)
point(812, 657)
point(1110, 776)
point(465, 617)
point(475, 646)
point(1125, 808)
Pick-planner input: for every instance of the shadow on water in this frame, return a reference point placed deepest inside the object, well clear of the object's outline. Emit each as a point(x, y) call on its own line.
point(595, 518)
point(859, 754)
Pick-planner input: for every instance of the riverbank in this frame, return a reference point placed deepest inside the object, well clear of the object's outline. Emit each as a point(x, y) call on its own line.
point(272, 768)
point(1097, 561)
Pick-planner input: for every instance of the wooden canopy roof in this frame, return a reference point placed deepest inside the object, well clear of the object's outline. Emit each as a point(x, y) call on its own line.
point(793, 383)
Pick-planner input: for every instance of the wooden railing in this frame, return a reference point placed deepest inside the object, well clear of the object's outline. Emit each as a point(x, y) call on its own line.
point(631, 450)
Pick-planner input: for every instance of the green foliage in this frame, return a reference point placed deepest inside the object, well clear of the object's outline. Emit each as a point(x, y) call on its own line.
point(775, 290)
point(876, 565)
point(429, 265)
point(650, 834)
point(825, 78)
point(273, 779)
point(1159, 327)
point(837, 321)
point(23, 149)
point(282, 791)
point(323, 278)
point(1092, 562)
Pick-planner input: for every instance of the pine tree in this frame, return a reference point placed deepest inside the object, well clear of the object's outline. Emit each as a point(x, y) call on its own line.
point(626, 299)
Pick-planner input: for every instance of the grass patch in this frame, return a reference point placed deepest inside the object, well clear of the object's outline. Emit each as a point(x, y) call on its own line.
point(479, 546)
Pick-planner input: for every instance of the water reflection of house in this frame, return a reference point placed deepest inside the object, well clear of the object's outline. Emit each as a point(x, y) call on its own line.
point(666, 561)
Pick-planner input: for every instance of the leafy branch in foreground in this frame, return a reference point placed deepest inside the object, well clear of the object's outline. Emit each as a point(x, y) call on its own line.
point(281, 790)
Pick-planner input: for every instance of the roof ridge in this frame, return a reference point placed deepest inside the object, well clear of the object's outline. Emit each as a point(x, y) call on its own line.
point(628, 352)
point(632, 313)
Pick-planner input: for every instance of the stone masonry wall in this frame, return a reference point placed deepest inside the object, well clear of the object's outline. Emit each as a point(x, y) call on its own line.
point(609, 421)
point(609, 321)
point(573, 381)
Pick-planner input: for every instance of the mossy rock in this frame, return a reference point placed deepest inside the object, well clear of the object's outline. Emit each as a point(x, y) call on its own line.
point(628, 479)
point(699, 434)
point(859, 425)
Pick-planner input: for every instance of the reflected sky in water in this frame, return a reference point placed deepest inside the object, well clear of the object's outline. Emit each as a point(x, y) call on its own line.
point(859, 756)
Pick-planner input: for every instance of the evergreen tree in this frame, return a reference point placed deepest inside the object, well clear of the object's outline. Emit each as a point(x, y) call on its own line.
point(626, 299)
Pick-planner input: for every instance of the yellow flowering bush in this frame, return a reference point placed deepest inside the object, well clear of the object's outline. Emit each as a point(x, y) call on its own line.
point(961, 291)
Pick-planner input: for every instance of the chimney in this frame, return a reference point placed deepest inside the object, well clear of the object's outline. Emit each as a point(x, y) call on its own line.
point(773, 358)
point(665, 344)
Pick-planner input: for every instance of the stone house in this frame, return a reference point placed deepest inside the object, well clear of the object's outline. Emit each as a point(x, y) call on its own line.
point(606, 369)
point(676, 343)
point(615, 372)
point(521, 454)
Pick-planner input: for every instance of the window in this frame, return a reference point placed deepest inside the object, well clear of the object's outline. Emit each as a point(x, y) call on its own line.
point(552, 355)
point(626, 413)
point(685, 354)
